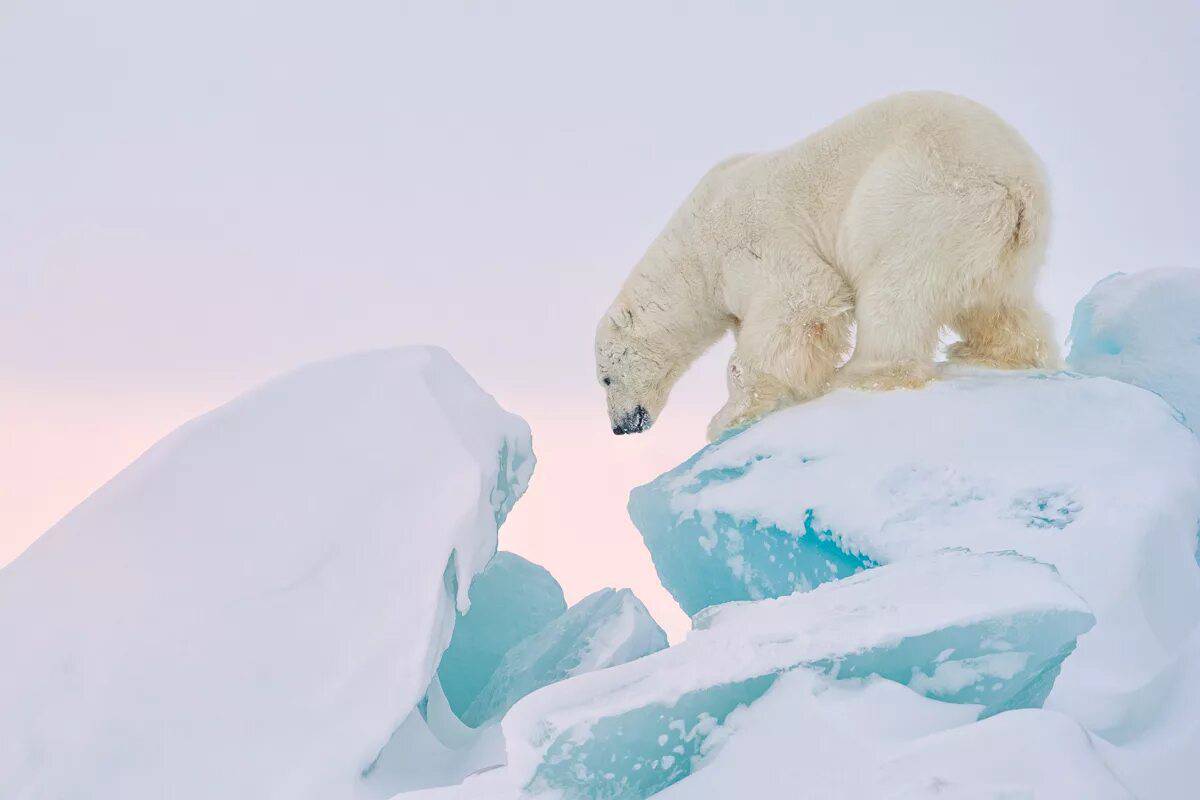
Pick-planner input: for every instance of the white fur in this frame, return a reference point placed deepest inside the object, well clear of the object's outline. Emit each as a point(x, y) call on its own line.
point(918, 211)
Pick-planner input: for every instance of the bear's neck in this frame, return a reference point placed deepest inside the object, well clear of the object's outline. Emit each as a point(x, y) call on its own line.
point(675, 298)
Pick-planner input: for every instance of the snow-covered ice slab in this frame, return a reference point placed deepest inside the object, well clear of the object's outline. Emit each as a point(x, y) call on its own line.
point(633, 730)
point(1096, 477)
point(511, 599)
point(1144, 329)
point(253, 606)
point(809, 736)
point(606, 628)
point(1000, 646)
point(709, 557)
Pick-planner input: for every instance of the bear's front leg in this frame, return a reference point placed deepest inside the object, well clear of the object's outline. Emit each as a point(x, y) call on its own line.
point(793, 329)
point(751, 397)
point(780, 363)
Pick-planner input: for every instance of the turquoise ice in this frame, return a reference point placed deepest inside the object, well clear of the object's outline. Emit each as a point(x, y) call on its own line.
point(606, 628)
point(511, 599)
point(706, 558)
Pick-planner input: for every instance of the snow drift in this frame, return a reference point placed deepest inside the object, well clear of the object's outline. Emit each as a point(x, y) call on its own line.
point(253, 606)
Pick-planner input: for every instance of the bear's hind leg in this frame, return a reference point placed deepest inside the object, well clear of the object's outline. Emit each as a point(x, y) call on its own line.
point(1005, 335)
point(895, 339)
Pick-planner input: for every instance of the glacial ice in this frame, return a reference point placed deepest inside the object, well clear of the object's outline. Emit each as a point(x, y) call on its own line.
point(253, 606)
point(1093, 476)
point(633, 730)
point(1144, 329)
point(511, 599)
point(606, 628)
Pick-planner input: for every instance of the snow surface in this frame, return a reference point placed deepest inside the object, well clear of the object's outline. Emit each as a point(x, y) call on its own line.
point(1093, 476)
point(252, 607)
point(433, 748)
point(1144, 329)
point(813, 737)
point(634, 729)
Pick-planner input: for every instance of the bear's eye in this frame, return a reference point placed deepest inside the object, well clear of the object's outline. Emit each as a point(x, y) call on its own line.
point(606, 381)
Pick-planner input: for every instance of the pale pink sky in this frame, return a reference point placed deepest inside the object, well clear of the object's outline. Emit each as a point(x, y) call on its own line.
point(194, 197)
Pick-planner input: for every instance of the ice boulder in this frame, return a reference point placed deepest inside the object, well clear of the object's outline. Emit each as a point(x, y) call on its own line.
point(606, 628)
point(1005, 622)
point(253, 606)
point(511, 599)
point(1144, 329)
point(1094, 476)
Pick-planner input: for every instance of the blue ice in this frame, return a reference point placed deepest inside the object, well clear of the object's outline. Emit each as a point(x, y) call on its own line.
point(606, 628)
point(511, 599)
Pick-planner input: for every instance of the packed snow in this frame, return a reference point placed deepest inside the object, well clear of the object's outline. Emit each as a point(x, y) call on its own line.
point(251, 608)
point(810, 736)
point(1144, 329)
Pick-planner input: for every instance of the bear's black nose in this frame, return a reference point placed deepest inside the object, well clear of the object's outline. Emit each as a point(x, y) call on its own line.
point(635, 421)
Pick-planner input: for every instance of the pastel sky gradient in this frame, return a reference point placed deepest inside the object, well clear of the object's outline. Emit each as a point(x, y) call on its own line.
point(196, 196)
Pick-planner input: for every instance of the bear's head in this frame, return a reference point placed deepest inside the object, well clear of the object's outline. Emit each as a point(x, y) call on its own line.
point(636, 371)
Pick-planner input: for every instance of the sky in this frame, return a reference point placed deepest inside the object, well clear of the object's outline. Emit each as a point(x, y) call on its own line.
point(195, 197)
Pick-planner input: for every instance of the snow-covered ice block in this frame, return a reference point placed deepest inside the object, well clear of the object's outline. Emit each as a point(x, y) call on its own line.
point(606, 628)
point(1144, 329)
point(809, 736)
point(1009, 634)
point(711, 557)
point(633, 730)
point(511, 599)
point(1094, 476)
point(253, 606)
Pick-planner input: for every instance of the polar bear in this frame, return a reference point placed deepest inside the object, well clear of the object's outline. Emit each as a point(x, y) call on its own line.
point(918, 211)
